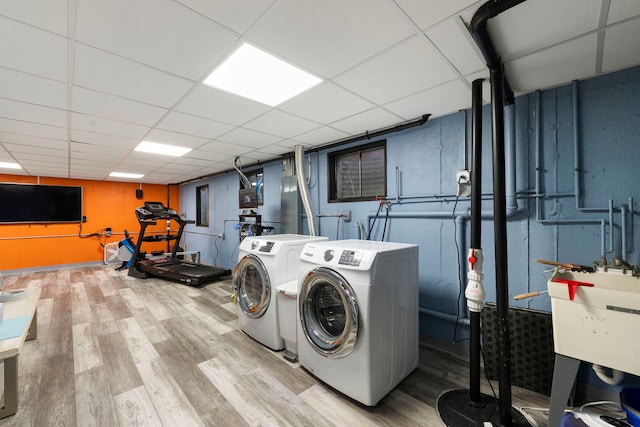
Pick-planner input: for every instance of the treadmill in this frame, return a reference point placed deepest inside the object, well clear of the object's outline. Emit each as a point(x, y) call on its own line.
point(170, 268)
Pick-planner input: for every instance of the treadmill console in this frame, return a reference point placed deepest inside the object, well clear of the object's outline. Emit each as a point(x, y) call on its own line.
point(159, 211)
point(144, 215)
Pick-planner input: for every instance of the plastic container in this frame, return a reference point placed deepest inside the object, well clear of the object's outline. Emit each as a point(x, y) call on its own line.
point(287, 305)
point(630, 402)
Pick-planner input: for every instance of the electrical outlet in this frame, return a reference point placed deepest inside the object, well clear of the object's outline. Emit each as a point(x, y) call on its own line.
point(222, 236)
point(107, 232)
point(346, 216)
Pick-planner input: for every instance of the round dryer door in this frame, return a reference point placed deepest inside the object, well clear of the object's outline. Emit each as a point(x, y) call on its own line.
point(252, 286)
point(329, 313)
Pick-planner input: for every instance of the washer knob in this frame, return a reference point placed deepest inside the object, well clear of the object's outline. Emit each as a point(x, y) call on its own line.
point(255, 244)
point(329, 254)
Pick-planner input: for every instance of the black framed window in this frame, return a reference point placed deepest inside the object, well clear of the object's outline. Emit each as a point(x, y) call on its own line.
point(359, 173)
point(202, 206)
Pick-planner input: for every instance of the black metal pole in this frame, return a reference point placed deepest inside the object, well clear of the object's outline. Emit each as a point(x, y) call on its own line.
point(475, 396)
point(500, 237)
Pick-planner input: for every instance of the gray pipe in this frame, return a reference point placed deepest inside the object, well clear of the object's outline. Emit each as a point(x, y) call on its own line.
point(304, 190)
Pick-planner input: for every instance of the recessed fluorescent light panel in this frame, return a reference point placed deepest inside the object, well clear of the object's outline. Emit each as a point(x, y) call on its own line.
point(164, 149)
point(126, 175)
point(254, 74)
point(7, 165)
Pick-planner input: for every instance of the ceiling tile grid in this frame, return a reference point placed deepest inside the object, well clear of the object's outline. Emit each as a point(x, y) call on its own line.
point(84, 82)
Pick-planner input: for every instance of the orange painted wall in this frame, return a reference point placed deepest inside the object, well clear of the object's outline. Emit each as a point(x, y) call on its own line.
point(105, 204)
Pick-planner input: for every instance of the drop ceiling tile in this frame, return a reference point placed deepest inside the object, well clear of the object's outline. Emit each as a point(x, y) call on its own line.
point(187, 163)
point(456, 43)
point(94, 103)
point(361, 123)
point(107, 126)
point(274, 150)
point(25, 48)
point(29, 140)
point(105, 72)
point(27, 152)
point(328, 37)
point(320, 136)
point(193, 125)
point(438, 101)
point(228, 149)
point(174, 138)
point(32, 113)
point(562, 63)
point(280, 124)
point(209, 157)
point(51, 14)
point(623, 9)
point(426, 13)
point(220, 106)
point(238, 15)
point(249, 138)
point(161, 33)
point(621, 46)
point(534, 25)
point(101, 150)
point(18, 128)
point(103, 139)
point(404, 69)
point(326, 103)
point(32, 89)
point(48, 172)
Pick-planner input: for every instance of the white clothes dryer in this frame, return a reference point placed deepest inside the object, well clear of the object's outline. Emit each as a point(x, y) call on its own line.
point(358, 315)
point(264, 263)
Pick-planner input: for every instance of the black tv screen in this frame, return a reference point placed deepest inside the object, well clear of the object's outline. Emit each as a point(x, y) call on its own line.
point(28, 203)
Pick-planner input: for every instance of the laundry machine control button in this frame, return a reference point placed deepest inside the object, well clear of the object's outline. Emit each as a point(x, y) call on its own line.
point(329, 254)
point(352, 258)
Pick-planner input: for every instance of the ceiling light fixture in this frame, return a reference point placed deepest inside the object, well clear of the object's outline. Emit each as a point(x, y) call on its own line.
point(257, 75)
point(164, 149)
point(7, 165)
point(126, 175)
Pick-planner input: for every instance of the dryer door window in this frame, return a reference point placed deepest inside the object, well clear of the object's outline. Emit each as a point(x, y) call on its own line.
point(329, 313)
point(252, 286)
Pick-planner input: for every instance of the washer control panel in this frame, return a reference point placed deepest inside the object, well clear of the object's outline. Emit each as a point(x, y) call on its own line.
point(351, 258)
point(266, 247)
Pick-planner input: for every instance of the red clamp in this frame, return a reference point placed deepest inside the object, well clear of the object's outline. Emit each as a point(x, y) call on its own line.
point(573, 286)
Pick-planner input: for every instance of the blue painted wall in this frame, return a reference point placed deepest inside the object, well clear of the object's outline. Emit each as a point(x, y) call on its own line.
point(421, 169)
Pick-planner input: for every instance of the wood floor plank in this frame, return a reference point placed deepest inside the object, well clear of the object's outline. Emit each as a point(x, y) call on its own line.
point(152, 328)
point(181, 328)
point(34, 352)
point(118, 363)
point(80, 309)
point(349, 412)
point(86, 353)
point(44, 311)
point(117, 306)
point(202, 394)
point(417, 411)
point(208, 318)
point(94, 402)
point(58, 410)
point(131, 299)
point(171, 404)
point(139, 346)
point(135, 409)
point(60, 339)
point(224, 416)
point(231, 386)
point(104, 321)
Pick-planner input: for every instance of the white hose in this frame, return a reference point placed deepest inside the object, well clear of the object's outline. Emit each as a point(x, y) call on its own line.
point(613, 379)
point(304, 190)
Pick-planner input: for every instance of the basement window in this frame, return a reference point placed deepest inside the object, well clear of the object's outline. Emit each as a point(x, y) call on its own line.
point(202, 206)
point(359, 173)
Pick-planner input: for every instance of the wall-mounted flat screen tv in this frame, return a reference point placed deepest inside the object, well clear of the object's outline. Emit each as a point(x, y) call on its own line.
point(29, 203)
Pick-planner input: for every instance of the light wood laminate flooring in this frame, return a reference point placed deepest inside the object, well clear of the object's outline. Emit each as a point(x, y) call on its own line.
point(119, 351)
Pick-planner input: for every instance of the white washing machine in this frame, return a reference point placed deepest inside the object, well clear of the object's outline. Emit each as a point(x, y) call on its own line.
point(264, 263)
point(358, 315)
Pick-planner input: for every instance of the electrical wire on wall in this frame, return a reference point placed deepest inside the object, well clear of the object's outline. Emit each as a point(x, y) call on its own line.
point(243, 178)
point(460, 273)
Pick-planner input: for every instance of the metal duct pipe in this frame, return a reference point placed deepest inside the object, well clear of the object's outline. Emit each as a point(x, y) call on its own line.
point(304, 190)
